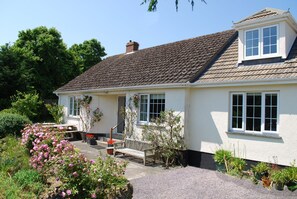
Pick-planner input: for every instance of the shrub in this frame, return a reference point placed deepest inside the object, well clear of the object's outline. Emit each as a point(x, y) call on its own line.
point(56, 111)
point(27, 104)
point(278, 177)
point(69, 173)
point(30, 180)
point(12, 124)
point(291, 177)
point(223, 157)
point(166, 136)
point(13, 156)
point(237, 166)
point(10, 189)
point(260, 170)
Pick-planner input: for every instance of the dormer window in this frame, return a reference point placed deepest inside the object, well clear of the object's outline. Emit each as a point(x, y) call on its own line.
point(261, 42)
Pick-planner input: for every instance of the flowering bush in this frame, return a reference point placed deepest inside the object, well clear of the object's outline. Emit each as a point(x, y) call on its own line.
point(70, 173)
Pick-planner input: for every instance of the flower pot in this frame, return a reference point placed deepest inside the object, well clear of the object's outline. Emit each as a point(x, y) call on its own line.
point(110, 151)
point(292, 185)
point(279, 186)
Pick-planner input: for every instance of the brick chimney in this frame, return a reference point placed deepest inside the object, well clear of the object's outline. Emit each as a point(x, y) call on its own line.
point(131, 46)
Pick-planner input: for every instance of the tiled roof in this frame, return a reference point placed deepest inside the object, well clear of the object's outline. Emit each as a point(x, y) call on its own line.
point(226, 69)
point(267, 12)
point(177, 62)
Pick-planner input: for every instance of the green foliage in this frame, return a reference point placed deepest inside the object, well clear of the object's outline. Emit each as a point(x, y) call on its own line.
point(166, 136)
point(87, 54)
point(13, 156)
point(12, 124)
point(88, 117)
point(237, 166)
point(29, 180)
point(222, 156)
point(56, 111)
point(278, 177)
point(261, 169)
point(153, 4)
point(45, 58)
point(27, 104)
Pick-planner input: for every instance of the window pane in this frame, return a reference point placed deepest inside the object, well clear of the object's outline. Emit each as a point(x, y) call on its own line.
point(270, 112)
point(237, 111)
point(257, 124)
point(157, 105)
point(252, 43)
point(71, 106)
point(270, 40)
point(253, 115)
point(143, 107)
point(249, 124)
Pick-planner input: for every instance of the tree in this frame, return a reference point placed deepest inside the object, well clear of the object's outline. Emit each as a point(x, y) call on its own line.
point(46, 58)
point(87, 54)
point(12, 77)
point(153, 4)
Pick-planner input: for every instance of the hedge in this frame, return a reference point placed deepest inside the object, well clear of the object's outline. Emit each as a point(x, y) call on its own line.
point(12, 124)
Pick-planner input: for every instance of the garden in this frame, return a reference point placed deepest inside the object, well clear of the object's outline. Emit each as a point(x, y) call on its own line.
point(36, 161)
point(268, 174)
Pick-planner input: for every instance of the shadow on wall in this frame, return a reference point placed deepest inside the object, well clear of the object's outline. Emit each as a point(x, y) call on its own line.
point(255, 138)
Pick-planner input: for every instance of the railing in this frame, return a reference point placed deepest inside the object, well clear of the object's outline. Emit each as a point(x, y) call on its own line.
point(113, 128)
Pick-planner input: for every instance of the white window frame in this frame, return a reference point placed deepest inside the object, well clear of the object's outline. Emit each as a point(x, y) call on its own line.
point(261, 55)
point(75, 100)
point(243, 129)
point(148, 107)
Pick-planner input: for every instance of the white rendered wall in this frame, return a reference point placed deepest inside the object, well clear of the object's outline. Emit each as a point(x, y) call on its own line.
point(106, 103)
point(174, 99)
point(209, 113)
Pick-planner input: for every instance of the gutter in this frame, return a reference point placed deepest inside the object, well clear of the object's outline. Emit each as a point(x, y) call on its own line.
point(127, 88)
point(188, 85)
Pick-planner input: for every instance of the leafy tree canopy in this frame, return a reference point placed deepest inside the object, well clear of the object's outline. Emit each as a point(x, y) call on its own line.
point(152, 7)
point(87, 54)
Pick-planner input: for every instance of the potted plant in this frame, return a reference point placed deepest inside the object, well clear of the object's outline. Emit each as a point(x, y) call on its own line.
point(237, 166)
point(261, 170)
point(278, 177)
point(90, 138)
point(222, 159)
point(291, 177)
point(110, 143)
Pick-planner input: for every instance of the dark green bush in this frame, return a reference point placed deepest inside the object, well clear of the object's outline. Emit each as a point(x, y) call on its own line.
point(12, 124)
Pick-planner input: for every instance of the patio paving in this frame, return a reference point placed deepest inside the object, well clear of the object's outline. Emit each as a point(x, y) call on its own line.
point(135, 168)
point(153, 181)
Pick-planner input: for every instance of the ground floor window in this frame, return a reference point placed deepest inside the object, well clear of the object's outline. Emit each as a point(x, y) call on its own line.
point(255, 111)
point(151, 105)
point(73, 106)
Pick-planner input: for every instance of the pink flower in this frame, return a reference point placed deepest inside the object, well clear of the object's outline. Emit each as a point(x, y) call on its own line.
point(70, 165)
point(68, 192)
point(93, 195)
point(63, 194)
point(92, 161)
point(75, 174)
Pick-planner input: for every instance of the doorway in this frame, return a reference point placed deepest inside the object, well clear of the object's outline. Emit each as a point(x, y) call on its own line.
point(121, 116)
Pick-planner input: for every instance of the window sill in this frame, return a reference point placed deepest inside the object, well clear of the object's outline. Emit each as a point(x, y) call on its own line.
point(73, 117)
point(263, 134)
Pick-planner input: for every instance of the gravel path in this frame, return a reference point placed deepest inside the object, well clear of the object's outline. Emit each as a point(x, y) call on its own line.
point(191, 182)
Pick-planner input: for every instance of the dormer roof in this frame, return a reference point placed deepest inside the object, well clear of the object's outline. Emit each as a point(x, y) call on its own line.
point(267, 12)
point(267, 15)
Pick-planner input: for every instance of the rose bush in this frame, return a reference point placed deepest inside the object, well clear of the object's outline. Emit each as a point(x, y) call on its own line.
point(69, 173)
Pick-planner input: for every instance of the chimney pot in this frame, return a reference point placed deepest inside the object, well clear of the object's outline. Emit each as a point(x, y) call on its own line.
point(131, 46)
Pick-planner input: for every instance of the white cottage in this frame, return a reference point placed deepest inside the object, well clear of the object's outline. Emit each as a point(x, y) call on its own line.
point(235, 89)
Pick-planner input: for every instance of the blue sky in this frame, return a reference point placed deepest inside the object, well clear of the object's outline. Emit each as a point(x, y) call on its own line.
point(114, 23)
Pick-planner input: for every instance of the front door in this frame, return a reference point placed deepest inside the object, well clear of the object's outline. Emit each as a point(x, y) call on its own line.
point(121, 116)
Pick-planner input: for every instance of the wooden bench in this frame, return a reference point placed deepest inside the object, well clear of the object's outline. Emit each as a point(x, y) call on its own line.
point(135, 148)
